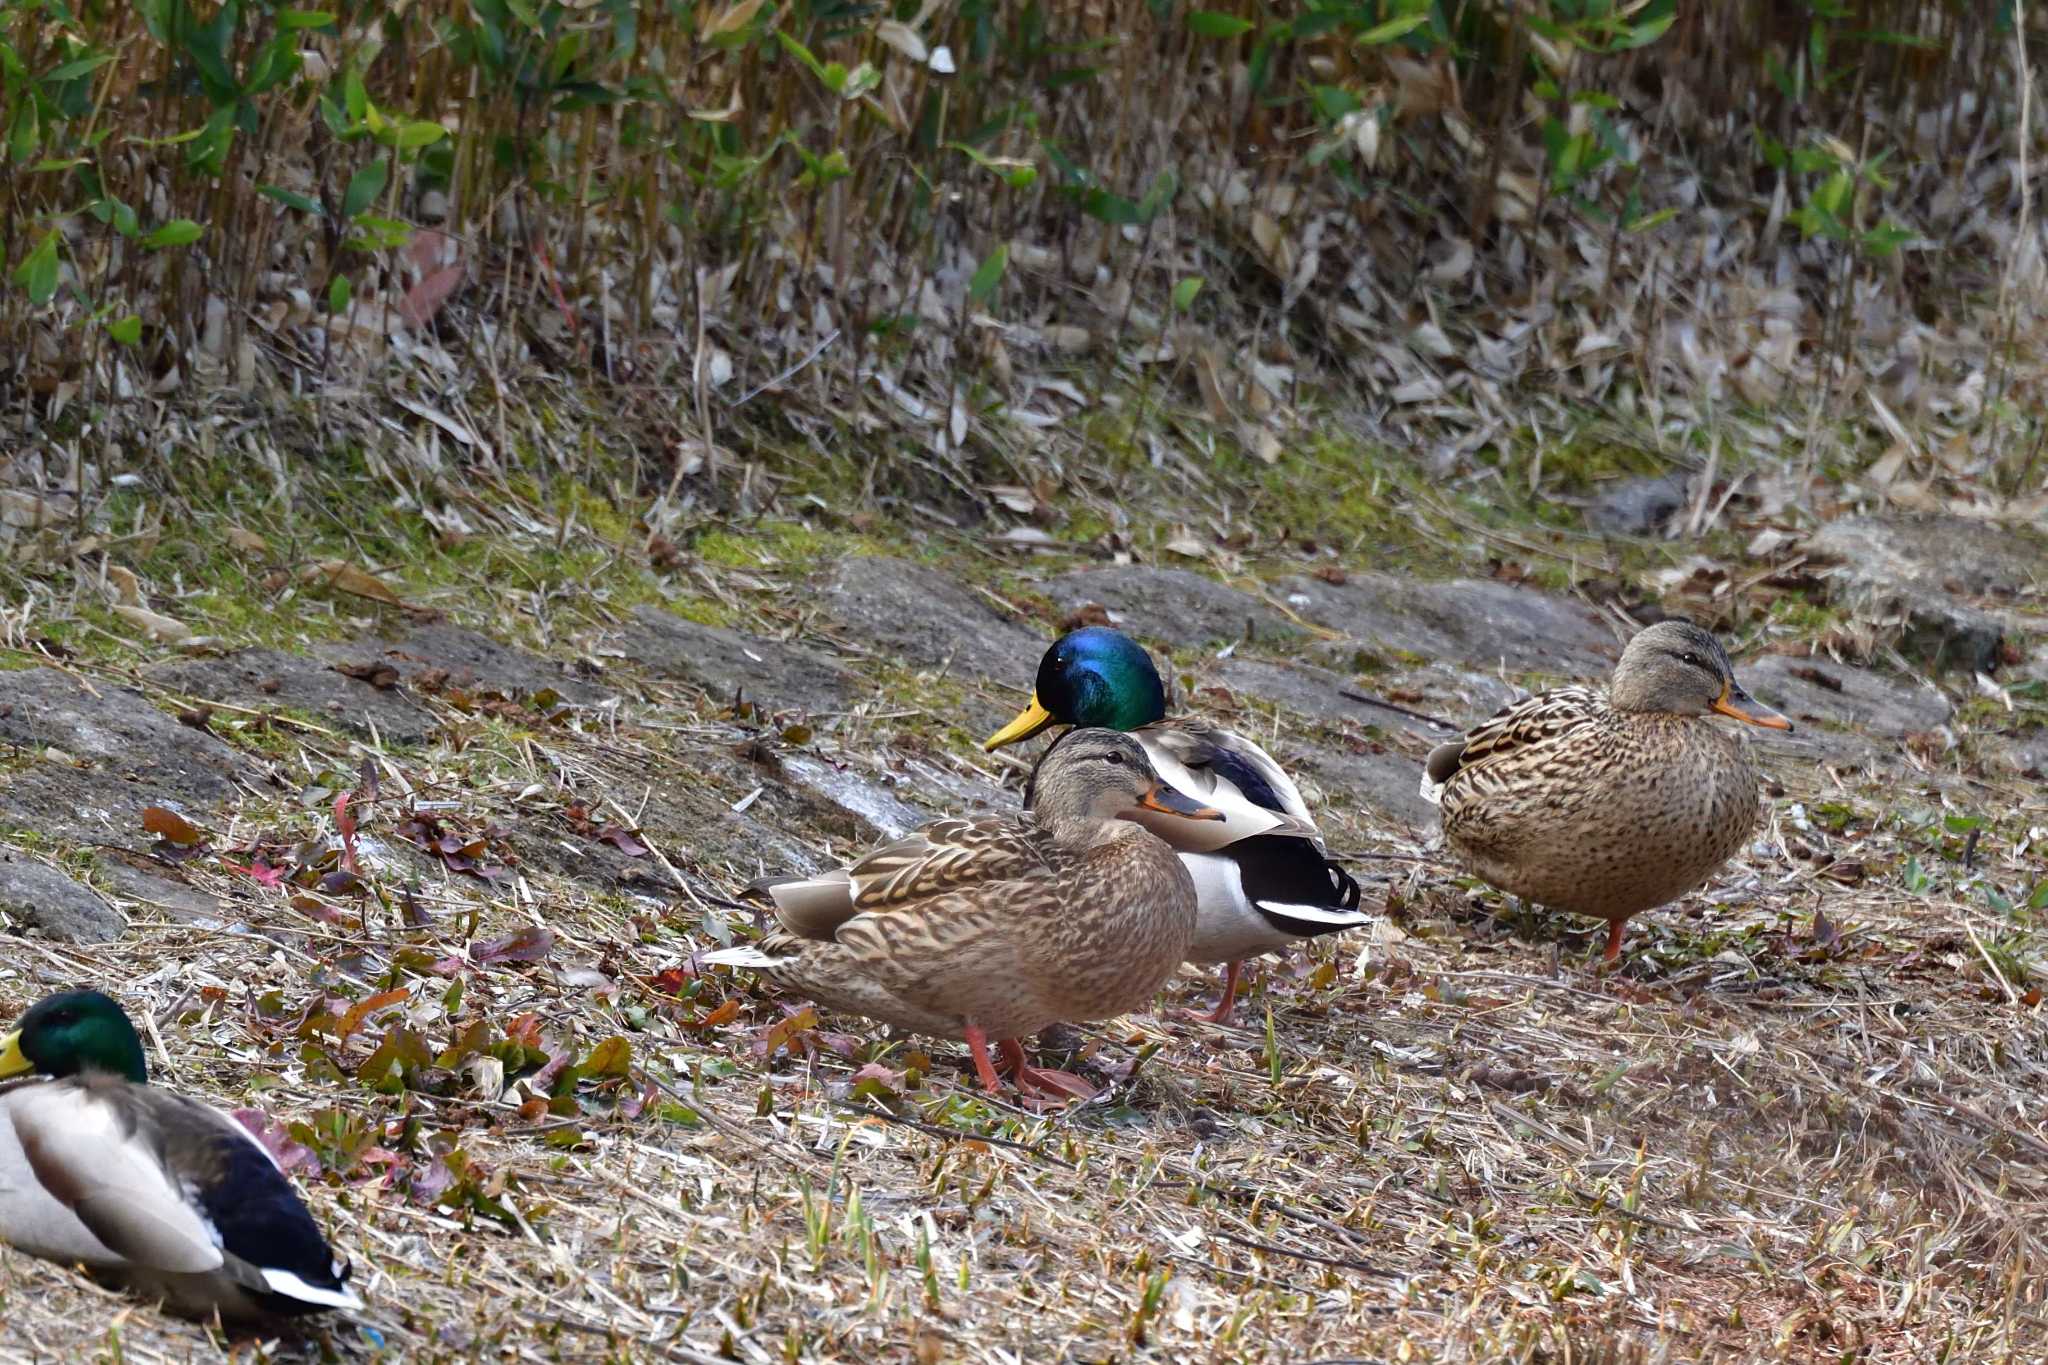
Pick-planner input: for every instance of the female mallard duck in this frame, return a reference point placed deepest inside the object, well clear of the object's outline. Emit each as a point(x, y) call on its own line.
point(1607, 806)
point(1261, 879)
point(994, 928)
point(144, 1186)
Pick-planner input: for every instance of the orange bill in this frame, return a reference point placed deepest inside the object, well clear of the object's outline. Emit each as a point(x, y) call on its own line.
point(1735, 702)
point(1171, 802)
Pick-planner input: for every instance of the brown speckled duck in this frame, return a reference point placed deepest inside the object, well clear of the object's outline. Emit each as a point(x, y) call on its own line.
point(993, 928)
point(1608, 806)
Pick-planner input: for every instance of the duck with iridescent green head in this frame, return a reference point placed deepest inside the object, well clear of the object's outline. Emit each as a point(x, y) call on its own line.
point(145, 1186)
point(1262, 880)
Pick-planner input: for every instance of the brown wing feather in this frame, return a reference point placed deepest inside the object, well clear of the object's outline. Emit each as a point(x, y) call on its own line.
point(1542, 719)
point(946, 856)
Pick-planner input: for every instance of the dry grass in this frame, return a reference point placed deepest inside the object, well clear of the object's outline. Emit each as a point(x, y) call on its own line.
point(1444, 1138)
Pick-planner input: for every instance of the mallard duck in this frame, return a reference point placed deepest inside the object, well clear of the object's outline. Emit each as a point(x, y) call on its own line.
point(1261, 878)
point(1608, 806)
point(144, 1186)
point(992, 928)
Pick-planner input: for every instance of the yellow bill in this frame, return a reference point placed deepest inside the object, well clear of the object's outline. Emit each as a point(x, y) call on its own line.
point(12, 1063)
point(1029, 722)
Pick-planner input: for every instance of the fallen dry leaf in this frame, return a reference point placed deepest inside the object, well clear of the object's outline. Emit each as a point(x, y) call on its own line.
point(161, 628)
point(248, 542)
point(342, 576)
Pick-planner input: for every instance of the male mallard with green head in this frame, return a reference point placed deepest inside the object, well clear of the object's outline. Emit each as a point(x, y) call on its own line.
point(1261, 878)
point(1608, 805)
point(144, 1186)
point(993, 928)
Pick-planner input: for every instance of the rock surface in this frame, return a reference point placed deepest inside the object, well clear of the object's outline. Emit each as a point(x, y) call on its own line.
point(441, 653)
point(115, 754)
point(929, 619)
point(1182, 608)
point(264, 678)
point(35, 895)
point(1822, 692)
point(1471, 621)
point(158, 890)
point(1927, 581)
point(1639, 507)
point(725, 664)
point(1843, 714)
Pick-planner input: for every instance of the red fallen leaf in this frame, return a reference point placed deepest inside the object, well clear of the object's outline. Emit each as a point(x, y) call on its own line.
point(633, 1106)
point(276, 1140)
point(533, 1111)
point(672, 980)
point(721, 1016)
point(342, 882)
point(380, 1156)
point(346, 823)
point(318, 909)
point(377, 674)
point(259, 872)
point(525, 1031)
point(447, 966)
point(843, 1044)
point(426, 298)
point(875, 1071)
point(544, 1079)
point(430, 1181)
point(787, 1031)
point(171, 827)
point(622, 839)
point(366, 1007)
point(528, 944)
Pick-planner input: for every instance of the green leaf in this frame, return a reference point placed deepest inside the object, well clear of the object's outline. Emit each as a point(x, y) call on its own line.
point(1381, 34)
point(1207, 23)
point(26, 135)
point(364, 187)
point(612, 1057)
point(1184, 293)
point(988, 274)
point(418, 133)
point(177, 232)
point(127, 331)
point(1651, 220)
point(337, 295)
point(71, 71)
point(38, 272)
point(304, 18)
point(1643, 34)
point(289, 199)
point(803, 54)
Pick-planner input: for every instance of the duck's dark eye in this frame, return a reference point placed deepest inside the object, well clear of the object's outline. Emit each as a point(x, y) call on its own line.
point(1693, 659)
point(1113, 757)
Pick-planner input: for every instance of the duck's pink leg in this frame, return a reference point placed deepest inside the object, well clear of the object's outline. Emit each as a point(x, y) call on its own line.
point(1227, 1006)
point(1614, 928)
point(1041, 1081)
point(977, 1043)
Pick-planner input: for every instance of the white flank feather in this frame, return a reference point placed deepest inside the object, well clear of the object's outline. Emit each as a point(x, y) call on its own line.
point(742, 957)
